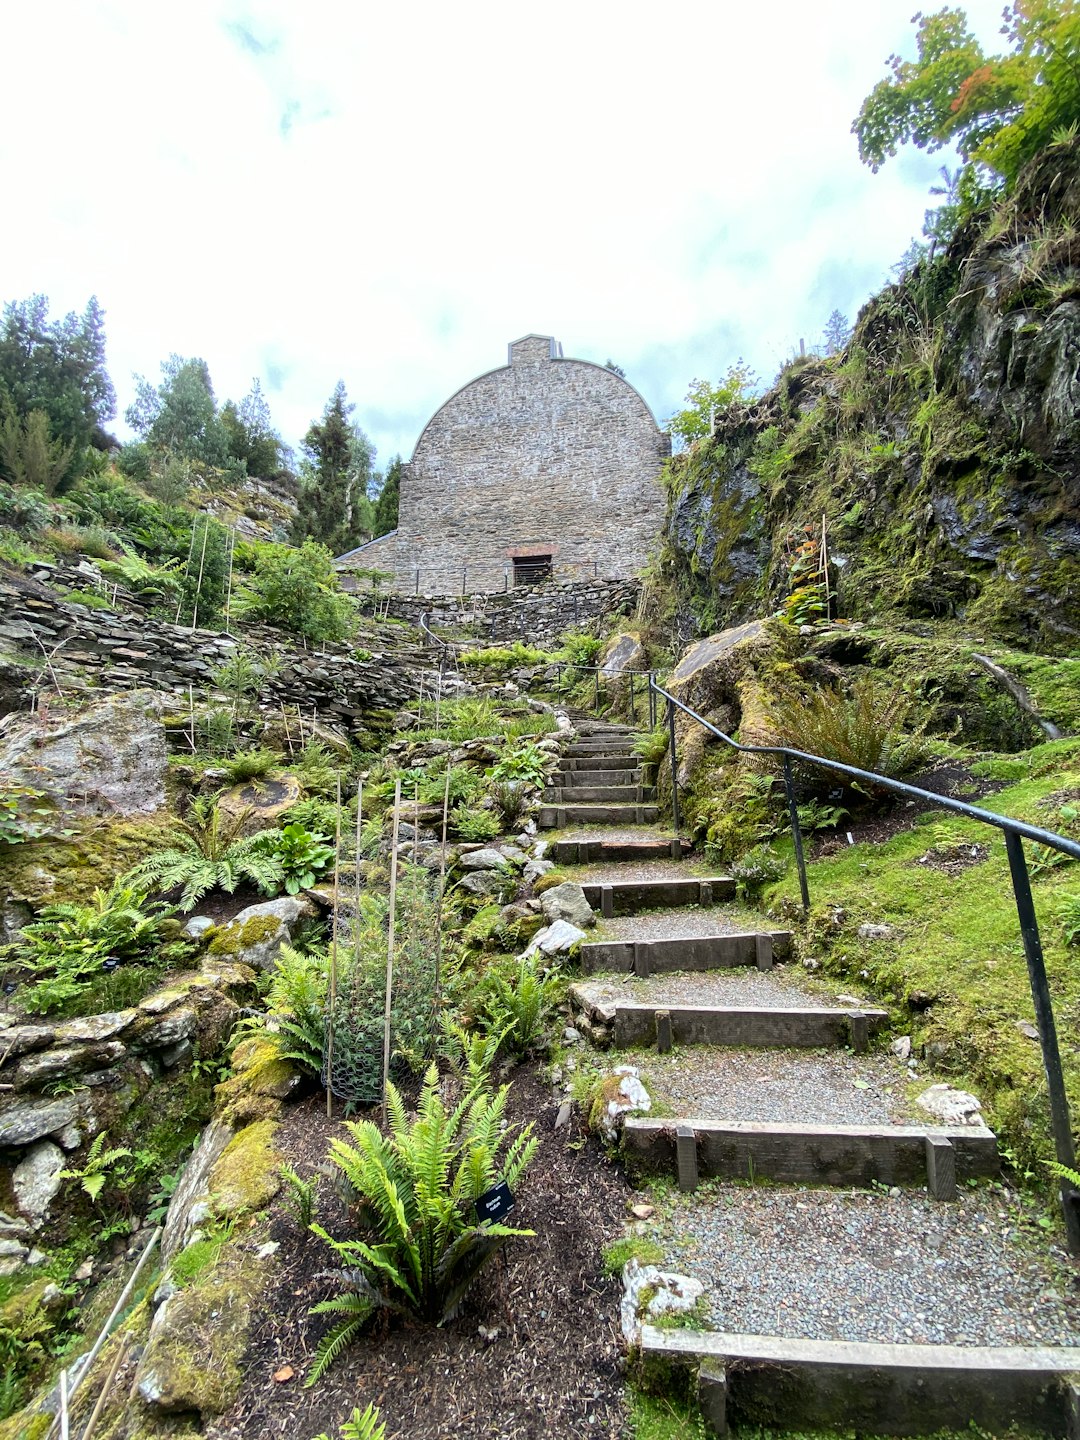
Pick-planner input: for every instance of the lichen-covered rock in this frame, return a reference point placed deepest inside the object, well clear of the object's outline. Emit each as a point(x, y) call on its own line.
point(109, 759)
point(26, 1120)
point(262, 1079)
point(486, 858)
point(193, 1184)
point(36, 1180)
point(257, 806)
point(198, 1338)
point(622, 652)
point(256, 935)
point(556, 939)
point(567, 902)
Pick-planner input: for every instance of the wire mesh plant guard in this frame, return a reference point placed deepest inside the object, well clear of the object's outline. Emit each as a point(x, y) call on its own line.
point(359, 1006)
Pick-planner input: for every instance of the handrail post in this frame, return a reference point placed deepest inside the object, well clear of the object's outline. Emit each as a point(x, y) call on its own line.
point(633, 713)
point(596, 677)
point(1060, 1123)
point(796, 833)
point(676, 817)
point(652, 699)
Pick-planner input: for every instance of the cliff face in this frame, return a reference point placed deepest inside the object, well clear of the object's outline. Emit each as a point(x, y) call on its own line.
point(942, 447)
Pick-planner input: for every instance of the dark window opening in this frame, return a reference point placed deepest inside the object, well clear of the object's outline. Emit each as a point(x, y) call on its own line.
point(531, 569)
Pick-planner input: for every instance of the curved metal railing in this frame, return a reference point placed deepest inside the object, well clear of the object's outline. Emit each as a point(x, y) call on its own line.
point(1015, 832)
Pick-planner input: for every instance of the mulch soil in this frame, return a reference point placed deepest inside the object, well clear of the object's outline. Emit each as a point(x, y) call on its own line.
point(535, 1350)
point(873, 825)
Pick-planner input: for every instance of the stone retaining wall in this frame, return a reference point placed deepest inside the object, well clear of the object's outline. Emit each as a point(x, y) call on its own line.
point(537, 615)
point(127, 651)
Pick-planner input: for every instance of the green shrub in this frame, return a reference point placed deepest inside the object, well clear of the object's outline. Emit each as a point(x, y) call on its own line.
point(295, 1018)
point(302, 856)
point(366, 1426)
point(316, 769)
point(247, 765)
point(523, 761)
point(652, 746)
point(578, 648)
point(298, 591)
point(520, 1005)
point(421, 1247)
point(25, 814)
point(159, 582)
point(759, 867)
point(504, 657)
point(511, 800)
point(1069, 915)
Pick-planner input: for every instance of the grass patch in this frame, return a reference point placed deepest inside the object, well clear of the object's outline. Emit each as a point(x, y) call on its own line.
point(955, 971)
point(641, 1248)
point(664, 1417)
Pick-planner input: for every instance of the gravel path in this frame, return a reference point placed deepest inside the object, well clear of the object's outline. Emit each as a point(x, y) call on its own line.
point(899, 1268)
point(637, 871)
point(592, 833)
point(735, 985)
point(806, 1087)
point(690, 921)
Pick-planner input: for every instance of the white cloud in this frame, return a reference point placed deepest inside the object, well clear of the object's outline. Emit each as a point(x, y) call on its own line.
point(390, 194)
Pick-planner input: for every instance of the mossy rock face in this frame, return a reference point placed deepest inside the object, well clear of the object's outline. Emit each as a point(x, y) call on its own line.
point(247, 1175)
point(192, 1358)
point(262, 1079)
point(258, 804)
point(90, 858)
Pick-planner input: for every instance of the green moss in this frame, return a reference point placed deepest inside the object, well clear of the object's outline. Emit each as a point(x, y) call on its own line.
point(233, 939)
point(89, 859)
point(641, 1248)
point(262, 1079)
point(22, 1426)
point(247, 1175)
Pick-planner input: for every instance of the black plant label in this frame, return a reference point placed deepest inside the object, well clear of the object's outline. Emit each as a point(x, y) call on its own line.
point(494, 1203)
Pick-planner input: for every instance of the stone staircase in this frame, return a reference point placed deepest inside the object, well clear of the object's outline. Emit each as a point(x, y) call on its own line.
point(674, 967)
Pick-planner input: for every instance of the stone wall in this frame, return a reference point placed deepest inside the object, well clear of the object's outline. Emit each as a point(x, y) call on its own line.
point(111, 650)
point(536, 615)
point(544, 457)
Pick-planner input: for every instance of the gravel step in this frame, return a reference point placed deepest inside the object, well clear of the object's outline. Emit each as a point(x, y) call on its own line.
point(766, 1026)
point(751, 1379)
point(683, 953)
point(594, 761)
point(813, 1087)
point(829, 1154)
point(600, 995)
point(568, 779)
point(629, 897)
point(609, 845)
point(552, 817)
point(591, 794)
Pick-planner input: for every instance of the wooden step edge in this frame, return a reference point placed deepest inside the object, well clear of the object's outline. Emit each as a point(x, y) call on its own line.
point(685, 954)
point(754, 1026)
point(792, 1153)
point(872, 1387)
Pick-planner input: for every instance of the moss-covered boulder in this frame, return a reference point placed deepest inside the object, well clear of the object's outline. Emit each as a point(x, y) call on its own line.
point(247, 1175)
point(192, 1358)
point(256, 935)
point(262, 1079)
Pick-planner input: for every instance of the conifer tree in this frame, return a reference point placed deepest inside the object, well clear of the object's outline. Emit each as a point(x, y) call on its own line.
point(334, 506)
point(386, 505)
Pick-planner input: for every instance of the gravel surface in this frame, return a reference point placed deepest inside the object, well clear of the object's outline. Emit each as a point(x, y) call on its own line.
point(637, 871)
point(805, 1087)
point(859, 1265)
point(686, 922)
point(734, 985)
point(592, 833)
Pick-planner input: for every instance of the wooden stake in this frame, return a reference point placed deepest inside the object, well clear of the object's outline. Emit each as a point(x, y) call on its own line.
point(288, 732)
point(420, 700)
point(390, 944)
point(416, 824)
point(64, 1430)
point(824, 563)
point(228, 591)
point(333, 960)
point(198, 583)
point(118, 1360)
point(191, 712)
point(359, 823)
point(442, 887)
point(187, 572)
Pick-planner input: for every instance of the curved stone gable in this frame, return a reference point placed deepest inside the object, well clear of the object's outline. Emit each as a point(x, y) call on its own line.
point(545, 460)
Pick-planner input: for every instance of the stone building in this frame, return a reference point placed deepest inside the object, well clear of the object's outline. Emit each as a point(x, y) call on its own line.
point(546, 468)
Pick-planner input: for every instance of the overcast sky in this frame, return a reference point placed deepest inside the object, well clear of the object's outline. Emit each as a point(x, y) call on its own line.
point(390, 193)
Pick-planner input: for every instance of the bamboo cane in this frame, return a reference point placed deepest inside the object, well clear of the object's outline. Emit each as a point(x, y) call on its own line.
point(390, 943)
point(442, 887)
point(288, 732)
point(416, 824)
point(228, 583)
point(198, 583)
point(824, 558)
point(333, 960)
point(118, 1360)
point(191, 712)
point(187, 572)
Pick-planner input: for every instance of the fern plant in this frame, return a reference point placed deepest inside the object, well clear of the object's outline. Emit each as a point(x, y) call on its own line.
point(210, 854)
point(471, 1054)
point(864, 729)
point(296, 1007)
point(366, 1426)
point(420, 1247)
point(97, 1167)
point(520, 1007)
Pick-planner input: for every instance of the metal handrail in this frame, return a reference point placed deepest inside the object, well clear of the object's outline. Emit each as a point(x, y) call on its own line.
point(1015, 831)
point(598, 670)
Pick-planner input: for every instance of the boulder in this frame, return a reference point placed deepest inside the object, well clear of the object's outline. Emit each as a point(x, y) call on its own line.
point(951, 1107)
point(109, 759)
point(481, 882)
point(258, 804)
point(534, 869)
point(197, 1341)
point(621, 653)
point(256, 935)
point(649, 1293)
point(616, 1095)
point(483, 859)
point(36, 1179)
point(32, 1119)
point(567, 902)
point(193, 1185)
point(557, 939)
